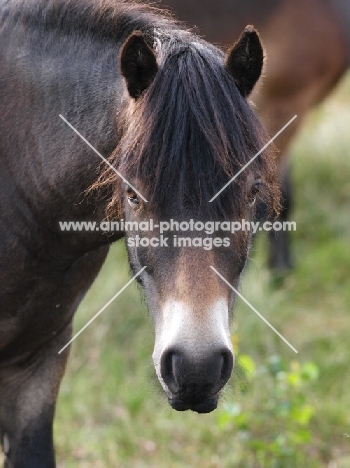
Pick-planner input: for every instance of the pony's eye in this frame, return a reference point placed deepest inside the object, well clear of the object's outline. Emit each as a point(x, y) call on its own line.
point(255, 189)
point(132, 198)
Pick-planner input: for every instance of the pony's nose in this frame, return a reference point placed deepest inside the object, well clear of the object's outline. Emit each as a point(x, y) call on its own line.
point(196, 377)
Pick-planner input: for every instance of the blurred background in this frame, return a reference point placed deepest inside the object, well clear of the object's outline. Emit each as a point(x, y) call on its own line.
point(281, 409)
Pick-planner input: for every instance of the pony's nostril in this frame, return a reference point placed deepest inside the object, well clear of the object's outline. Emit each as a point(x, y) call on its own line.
point(227, 365)
point(168, 369)
point(179, 373)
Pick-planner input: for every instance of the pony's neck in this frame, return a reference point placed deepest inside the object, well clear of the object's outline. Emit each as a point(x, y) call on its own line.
point(51, 167)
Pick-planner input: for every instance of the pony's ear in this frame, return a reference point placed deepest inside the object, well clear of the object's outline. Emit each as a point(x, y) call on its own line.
point(138, 64)
point(245, 60)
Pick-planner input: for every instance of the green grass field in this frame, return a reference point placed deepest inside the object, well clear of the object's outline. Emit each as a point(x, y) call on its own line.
point(110, 411)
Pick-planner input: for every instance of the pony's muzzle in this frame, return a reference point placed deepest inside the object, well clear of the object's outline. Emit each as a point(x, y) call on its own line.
point(195, 384)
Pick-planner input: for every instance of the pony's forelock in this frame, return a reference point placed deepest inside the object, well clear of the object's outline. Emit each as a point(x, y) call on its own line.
point(190, 133)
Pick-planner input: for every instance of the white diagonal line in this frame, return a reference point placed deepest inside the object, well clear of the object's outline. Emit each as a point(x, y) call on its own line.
point(254, 157)
point(253, 308)
point(103, 158)
point(103, 308)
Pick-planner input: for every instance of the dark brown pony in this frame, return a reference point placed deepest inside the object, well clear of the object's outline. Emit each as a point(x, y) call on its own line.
point(308, 50)
point(170, 111)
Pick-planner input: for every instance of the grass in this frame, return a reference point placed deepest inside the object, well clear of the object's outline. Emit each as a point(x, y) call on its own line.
point(110, 412)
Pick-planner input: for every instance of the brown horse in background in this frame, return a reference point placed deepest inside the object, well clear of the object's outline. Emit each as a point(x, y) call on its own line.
point(308, 50)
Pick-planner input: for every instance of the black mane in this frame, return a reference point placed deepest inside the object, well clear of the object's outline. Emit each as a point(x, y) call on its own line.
point(192, 131)
point(102, 19)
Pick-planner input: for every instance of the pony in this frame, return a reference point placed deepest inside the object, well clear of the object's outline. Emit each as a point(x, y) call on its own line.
point(170, 112)
point(308, 51)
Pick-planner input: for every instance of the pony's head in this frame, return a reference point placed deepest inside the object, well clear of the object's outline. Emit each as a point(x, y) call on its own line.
point(186, 130)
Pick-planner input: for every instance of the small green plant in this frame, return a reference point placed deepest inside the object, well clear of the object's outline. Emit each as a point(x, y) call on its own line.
point(276, 426)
